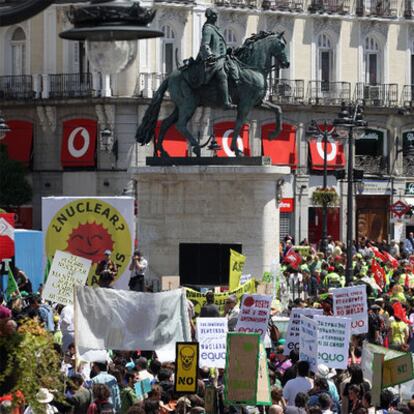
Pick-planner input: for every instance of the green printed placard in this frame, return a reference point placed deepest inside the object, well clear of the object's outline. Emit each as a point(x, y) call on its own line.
point(242, 366)
point(397, 370)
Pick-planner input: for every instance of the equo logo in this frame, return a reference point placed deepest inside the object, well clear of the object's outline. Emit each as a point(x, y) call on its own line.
point(293, 345)
point(329, 357)
point(330, 156)
point(84, 134)
point(226, 141)
point(257, 330)
point(357, 324)
point(213, 356)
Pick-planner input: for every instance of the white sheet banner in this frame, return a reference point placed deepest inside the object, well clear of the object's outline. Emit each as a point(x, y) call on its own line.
point(125, 320)
point(254, 314)
point(211, 336)
point(351, 302)
point(66, 271)
point(333, 340)
point(308, 341)
point(293, 330)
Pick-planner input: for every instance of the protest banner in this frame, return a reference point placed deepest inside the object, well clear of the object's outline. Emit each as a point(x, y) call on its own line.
point(263, 396)
point(107, 319)
point(237, 261)
point(87, 226)
point(397, 370)
point(351, 302)
point(293, 330)
point(211, 336)
point(254, 314)
point(308, 341)
point(333, 340)
point(142, 388)
point(242, 365)
point(186, 367)
point(245, 278)
point(199, 299)
point(66, 271)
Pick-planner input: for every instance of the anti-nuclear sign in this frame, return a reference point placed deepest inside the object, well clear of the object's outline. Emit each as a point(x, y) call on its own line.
point(186, 367)
point(254, 314)
point(211, 335)
point(293, 330)
point(308, 341)
point(351, 302)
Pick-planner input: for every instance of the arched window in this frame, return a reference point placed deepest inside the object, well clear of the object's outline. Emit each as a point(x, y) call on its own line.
point(230, 37)
point(18, 52)
point(325, 60)
point(372, 61)
point(168, 48)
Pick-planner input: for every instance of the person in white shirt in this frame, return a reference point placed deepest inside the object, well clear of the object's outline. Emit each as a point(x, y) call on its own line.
point(138, 267)
point(299, 384)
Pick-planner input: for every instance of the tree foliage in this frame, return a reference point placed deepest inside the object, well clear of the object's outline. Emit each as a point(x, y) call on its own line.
point(15, 190)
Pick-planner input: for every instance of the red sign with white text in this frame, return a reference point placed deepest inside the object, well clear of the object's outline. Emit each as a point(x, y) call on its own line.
point(287, 205)
point(19, 141)
point(174, 142)
point(79, 143)
point(223, 132)
point(6, 236)
point(281, 149)
point(335, 156)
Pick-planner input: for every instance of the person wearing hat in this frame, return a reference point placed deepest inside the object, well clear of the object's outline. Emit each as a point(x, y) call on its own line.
point(323, 371)
point(231, 312)
point(106, 271)
point(44, 397)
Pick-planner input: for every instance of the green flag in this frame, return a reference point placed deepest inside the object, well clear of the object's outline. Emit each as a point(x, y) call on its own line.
point(11, 286)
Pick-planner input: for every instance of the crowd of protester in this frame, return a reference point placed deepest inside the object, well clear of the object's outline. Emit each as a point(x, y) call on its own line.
point(108, 384)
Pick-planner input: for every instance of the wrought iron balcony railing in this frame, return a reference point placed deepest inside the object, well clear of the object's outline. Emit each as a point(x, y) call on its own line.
point(382, 95)
point(376, 8)
point(70, 85)
point(328, 93)
point(287, 91)
point(372, 164)
point(283, 5)
point(330, 6)
point(16, 87)
point(408, 165)
point(407, 97)
point(237, 3)
point(184, 2)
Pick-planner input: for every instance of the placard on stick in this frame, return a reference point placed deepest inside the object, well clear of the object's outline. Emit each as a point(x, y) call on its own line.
point(170, 282)
point(186, 367)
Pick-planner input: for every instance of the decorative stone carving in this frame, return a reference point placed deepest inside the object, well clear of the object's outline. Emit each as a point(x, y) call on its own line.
point(227, 18)
point(172, 14)
point(278, 23)
point(374, 27)
point(371, 164)
point(408, 166)
point(326, 24)
point(47, 117)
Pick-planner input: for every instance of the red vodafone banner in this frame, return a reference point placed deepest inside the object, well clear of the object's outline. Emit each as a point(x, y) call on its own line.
point(19, 140)
point(174, 142)
point(335, 153)
point(224, 134)
point(6, 236)
point(286, 205)
point(79, 143)
point(282, 149)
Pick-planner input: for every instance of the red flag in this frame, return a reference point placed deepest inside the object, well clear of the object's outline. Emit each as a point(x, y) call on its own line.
point(379, 274)
point(393, 261)
point(378, 254)
point(293, 259)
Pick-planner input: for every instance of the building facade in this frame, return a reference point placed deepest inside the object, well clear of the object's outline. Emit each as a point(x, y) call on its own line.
point(340, 51)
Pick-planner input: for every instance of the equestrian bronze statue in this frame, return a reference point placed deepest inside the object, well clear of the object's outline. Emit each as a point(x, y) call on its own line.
point(219, 78)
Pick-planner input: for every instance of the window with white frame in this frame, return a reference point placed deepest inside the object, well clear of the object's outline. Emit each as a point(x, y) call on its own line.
point(18, 52)
point(372, 61)
point(168, 49)
point(325, 60)
point(230, 37)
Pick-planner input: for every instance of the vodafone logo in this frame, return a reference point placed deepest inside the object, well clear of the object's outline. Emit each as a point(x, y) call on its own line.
point(80, 134)
point(331, 155)
point(226, 142)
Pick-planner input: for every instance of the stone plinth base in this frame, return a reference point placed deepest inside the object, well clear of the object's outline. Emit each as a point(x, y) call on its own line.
point(208, 204)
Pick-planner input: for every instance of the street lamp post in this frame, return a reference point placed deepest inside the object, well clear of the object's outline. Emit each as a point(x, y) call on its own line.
point(348, 123)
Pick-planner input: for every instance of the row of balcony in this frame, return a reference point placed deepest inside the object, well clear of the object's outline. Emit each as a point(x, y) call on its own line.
point(362, 8)
point(284, 91)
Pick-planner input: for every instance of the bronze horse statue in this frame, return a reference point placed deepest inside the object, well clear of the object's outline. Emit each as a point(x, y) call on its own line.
point(255, 60)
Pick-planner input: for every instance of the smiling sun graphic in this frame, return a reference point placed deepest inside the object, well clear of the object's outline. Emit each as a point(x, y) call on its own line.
point(90, 240)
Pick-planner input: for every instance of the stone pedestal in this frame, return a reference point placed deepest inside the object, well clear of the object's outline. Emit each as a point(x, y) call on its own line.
point(208, 204)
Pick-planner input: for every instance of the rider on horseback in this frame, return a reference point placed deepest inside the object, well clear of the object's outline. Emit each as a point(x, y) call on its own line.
point(218, 62)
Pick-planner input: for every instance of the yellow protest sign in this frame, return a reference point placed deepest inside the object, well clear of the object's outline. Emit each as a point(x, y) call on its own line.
point(397, 370)
point(237, 261)
point(186, 367)
point(198, 299)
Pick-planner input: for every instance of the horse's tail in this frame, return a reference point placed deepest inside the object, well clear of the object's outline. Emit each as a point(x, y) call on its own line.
point(145, 131)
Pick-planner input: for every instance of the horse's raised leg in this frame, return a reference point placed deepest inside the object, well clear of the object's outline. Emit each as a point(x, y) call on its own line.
point(241, 118)
point(165, 126)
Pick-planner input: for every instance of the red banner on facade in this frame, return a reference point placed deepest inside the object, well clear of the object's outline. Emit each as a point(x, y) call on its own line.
point(19, 141)
point(79, 143)
point(223, 132)
point(335, 153)
point(287, 205)
point(6, 236)
point(174, 142)
point(282, 149)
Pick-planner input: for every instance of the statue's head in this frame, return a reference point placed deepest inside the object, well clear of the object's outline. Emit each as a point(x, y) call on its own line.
point(211, 14)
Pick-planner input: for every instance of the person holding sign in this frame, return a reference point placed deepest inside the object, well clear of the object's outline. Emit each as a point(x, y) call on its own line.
point(106, 270)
